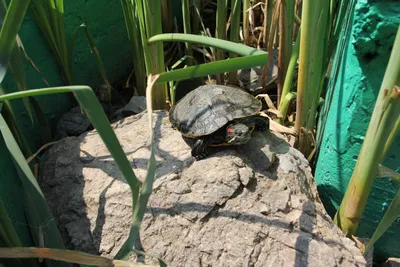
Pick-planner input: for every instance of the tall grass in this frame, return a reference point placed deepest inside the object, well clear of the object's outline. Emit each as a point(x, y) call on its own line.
point(246, 22)
point(49, 16)
point(383, 120)
point(133, 29)
point(144, 20)
point(286, 21)
point(234, 31)
point(187, 28)
point(311, 66)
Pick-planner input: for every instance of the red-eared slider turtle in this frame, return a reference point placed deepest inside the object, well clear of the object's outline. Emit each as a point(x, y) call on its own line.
point(216, 115)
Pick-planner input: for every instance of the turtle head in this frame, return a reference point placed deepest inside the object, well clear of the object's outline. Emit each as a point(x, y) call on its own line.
point(238, 133)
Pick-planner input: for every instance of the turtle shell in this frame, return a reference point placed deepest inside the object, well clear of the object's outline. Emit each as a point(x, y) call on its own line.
point(209, 107)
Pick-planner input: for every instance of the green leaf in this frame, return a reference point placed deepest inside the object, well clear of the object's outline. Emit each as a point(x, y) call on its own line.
point(45, 128)
point(78, 257)
point(382, 124)
point(37, 211)
point(93, 46)
point(10, 117)
point(98, 118)
point(9, 30)
point(214, 68)
point(392, 213)
point(133, 29)
point(9, 238)
point(7, 232)
point(239, 49)
point(49, 16)
point(147, 187)
point(387, 172)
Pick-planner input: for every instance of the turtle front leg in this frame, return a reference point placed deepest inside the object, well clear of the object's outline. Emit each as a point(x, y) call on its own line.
point(199, 148)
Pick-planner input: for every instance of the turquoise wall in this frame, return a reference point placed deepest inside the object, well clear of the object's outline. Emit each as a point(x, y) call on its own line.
point(363, 66)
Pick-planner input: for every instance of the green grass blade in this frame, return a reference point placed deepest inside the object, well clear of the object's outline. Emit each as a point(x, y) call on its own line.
point(95, 50)
point(160, 261)
point(149, 16)
point(42, 20)
point(133, 30)
point(97, 117)
point(314, 23)
point(9, 238)
point(45, 128)
point(214, 68)
point(38, 212)
point(50, 19)
point(239, 49)
point(7, 232)
point(234, 34)
point(18, 71)
point(143, 34)
point(59, 15)
point(196, 19)
point(283, 105)
point(9, 30)
point(392, 136)
point(15, 127)
point(246, 23)
point(84, 259)
point(383, 119)
point(286, 19)
point(50, 8)
point(186, 27)
point(147, 187)
point(392, 213)
point(220, 30)
point(387, 172)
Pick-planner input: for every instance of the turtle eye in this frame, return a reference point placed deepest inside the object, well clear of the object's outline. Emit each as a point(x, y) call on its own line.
point(238, 132)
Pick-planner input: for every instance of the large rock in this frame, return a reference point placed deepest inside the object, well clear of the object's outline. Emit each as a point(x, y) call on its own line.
point(250, 205)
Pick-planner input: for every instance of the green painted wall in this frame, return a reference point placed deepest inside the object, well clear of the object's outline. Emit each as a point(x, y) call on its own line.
point(363, 65)
point(106, 23)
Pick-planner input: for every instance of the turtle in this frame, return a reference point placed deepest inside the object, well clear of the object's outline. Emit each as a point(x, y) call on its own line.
point(217, 115)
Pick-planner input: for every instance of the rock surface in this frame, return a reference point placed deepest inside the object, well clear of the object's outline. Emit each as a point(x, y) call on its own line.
point(251, 205)
point(392, 262)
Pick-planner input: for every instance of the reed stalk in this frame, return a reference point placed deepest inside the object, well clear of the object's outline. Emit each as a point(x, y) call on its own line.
point(314, 23)
point(150, 24)
point(186, 28)
point(246, 23)
point(133, 29)
point(220, 32)
point(286, 19)
point(234, 34)
point(284, 102)
point(386, 113)
point(196, 18)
